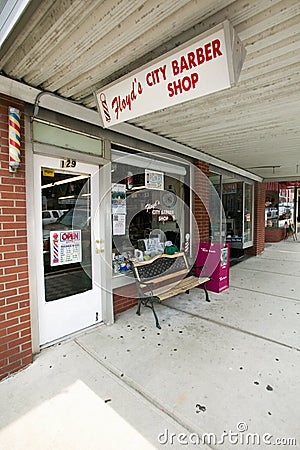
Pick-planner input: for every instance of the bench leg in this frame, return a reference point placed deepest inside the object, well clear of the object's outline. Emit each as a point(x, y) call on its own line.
point(155, 316)
point(138, 311)
point(206, 293)
point(148, 302)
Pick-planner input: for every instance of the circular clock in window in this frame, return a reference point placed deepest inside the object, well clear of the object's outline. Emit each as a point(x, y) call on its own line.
point(169, 199)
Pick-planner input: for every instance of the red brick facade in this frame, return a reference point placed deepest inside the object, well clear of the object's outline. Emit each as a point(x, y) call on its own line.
point(201, 198)
point(15, 330)
point(259, 221)
point(124, 298)
point(274, 234)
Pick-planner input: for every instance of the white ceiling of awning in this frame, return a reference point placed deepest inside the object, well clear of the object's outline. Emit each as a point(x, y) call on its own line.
point(73, 47)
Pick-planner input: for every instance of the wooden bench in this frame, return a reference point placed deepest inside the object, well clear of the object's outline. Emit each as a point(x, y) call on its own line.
point(162, 277)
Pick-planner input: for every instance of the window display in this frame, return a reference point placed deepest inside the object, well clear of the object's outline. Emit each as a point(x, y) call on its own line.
point(279, 205)
point(150, 211)
point(271, 207)
point(248, 221)
point(236, 222)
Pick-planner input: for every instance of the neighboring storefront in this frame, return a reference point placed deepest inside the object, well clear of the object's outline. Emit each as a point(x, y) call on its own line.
point(83, 204)
point(281, 209)
point(237, 196)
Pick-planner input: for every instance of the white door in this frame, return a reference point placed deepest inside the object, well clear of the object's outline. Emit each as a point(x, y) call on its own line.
point(67, 248)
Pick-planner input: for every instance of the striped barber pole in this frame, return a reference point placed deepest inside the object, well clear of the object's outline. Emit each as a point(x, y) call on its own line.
point(187, 244)
point(14, 138)
point(105, 107)
point(55, 259)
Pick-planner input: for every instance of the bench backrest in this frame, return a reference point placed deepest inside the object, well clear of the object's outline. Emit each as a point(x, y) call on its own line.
point(162, 267)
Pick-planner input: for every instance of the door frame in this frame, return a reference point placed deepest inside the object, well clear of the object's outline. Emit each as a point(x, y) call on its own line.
point(62, 317)
point(33, 149)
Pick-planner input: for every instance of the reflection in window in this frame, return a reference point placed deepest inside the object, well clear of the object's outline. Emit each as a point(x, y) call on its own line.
point(145, 219)
point(248, 219)
point(66, 208)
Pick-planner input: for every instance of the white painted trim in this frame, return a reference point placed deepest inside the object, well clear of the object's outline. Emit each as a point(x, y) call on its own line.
point(54, 103)
point(9, 17)
point(147, 136)
point(148, 162)
point(106, 243)
point(31, 239)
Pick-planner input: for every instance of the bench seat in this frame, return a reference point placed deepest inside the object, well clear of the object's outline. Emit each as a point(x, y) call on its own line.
point(163, 277)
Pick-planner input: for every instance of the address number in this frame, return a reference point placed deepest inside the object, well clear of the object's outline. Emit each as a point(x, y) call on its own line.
point(67, 163)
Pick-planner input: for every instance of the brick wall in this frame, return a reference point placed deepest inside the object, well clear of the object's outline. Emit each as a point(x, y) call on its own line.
point(124, 298)
point(15, 334)
point(274, 234)
point(201, 197)
point(259, 221)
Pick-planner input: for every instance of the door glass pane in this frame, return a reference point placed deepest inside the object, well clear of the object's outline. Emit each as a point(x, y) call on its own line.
point(66, 226)
point(232, 199)
point(298, 211)
point(216, 231)
point(248, 219)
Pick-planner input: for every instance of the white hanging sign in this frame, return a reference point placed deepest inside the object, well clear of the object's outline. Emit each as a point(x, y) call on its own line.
point(206, 64)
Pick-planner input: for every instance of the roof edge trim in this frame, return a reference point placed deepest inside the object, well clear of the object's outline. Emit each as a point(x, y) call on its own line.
point(57, 104)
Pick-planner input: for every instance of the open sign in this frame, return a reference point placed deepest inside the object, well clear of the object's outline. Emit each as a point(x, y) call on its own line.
point(70, 236)
point(65, 247)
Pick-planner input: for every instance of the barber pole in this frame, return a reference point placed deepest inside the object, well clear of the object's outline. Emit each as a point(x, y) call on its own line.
point(55, 258)
point(105, 108)
point(14, 127)
point(187, 244)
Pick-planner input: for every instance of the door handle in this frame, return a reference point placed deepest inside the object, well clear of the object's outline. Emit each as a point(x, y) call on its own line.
point(99, 248)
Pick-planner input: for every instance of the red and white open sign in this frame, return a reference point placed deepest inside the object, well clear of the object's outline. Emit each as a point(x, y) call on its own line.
point(208, 63)
point(65, 247)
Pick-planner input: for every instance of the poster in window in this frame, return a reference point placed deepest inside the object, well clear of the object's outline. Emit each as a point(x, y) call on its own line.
point(154, 180)
point(118, 198)
point(224, 257)
point(119, 221)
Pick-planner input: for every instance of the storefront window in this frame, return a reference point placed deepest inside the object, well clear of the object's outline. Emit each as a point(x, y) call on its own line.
point(235, 223)
point(150, 210)
point(232, 199)
point(279, 204)
point(248, 216)
point(271, 206)
point(216, 227)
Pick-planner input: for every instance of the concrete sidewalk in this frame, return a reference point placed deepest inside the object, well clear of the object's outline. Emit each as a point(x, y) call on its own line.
point(232, 365)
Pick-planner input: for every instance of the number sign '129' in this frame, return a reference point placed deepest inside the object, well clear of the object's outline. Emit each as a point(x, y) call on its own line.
point(67, 163)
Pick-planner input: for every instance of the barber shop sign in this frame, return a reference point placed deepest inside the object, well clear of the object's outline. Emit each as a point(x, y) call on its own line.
point(206, 64)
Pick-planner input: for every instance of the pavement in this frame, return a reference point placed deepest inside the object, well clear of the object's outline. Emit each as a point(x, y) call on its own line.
point(219, 375)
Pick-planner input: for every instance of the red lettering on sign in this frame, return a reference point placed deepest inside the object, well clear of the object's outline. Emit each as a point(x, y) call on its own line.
point(70, 236)
point(216, 44)
point(156, 76)
point(120, 104)
point(200, 56)
point(175, 67)
point(184, 84)
point(207, 49)
point(193, 59)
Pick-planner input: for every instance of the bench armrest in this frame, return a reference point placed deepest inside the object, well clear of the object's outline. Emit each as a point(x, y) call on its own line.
point(148, 284)
point(193, 269)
